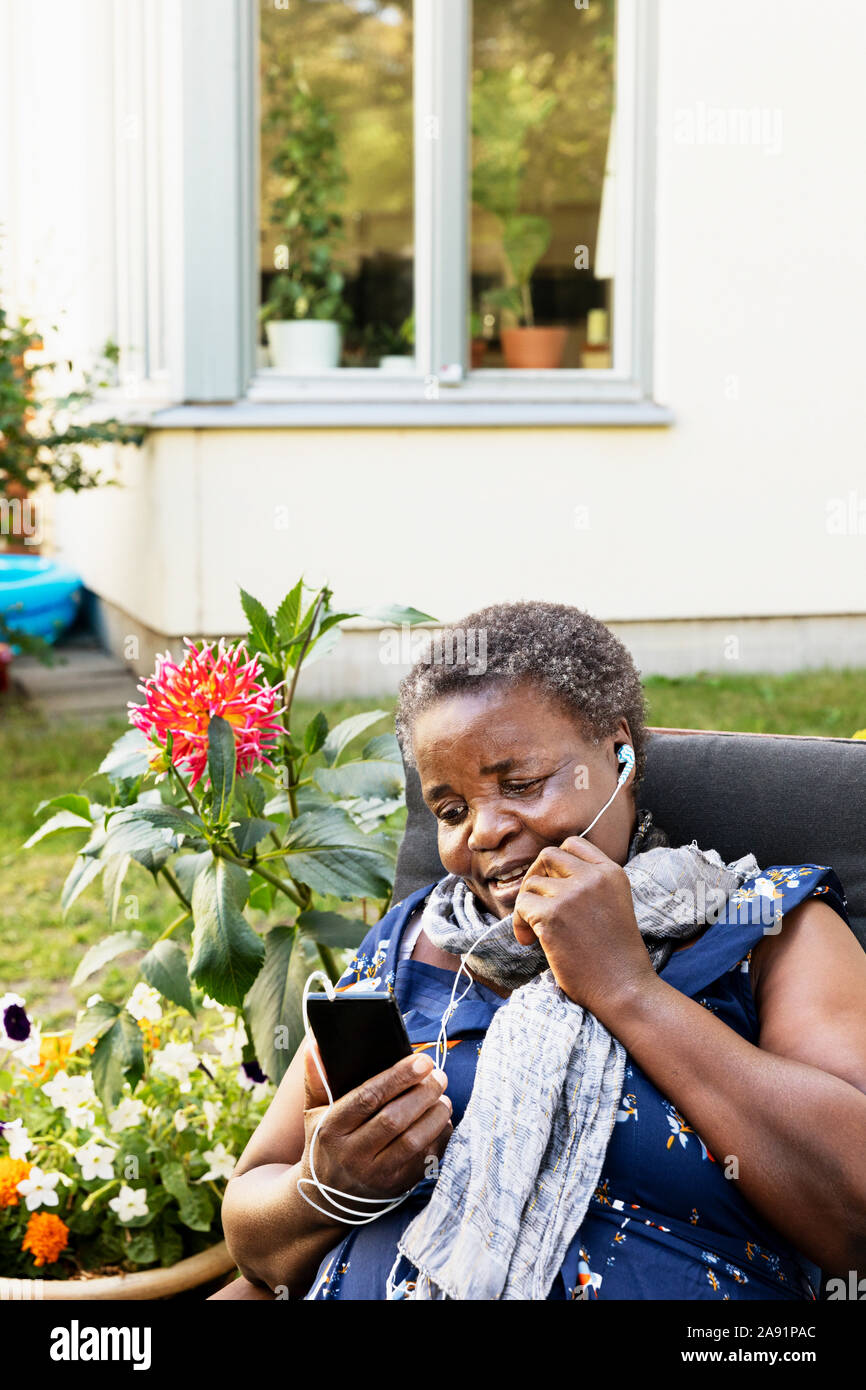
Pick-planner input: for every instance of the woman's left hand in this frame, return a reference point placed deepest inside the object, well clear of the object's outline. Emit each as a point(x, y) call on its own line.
point(577, 903)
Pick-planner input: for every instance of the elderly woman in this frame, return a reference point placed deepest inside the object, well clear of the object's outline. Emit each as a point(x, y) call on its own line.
point(653, 1084)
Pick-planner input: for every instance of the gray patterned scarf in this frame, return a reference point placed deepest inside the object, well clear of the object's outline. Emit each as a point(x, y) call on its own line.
point(521, 1166)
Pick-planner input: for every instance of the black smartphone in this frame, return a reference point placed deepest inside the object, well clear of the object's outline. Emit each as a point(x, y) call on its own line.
point(358, 1035)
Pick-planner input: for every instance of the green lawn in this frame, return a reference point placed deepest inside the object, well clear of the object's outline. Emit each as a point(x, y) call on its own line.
point(39, 950)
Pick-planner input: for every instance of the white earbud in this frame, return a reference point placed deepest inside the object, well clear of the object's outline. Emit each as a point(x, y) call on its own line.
point(625, 754)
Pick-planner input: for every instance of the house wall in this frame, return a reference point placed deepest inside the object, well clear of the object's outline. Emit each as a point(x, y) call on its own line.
point(746, 517)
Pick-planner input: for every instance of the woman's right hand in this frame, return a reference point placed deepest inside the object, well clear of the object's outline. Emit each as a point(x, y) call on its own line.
point(377, 1140)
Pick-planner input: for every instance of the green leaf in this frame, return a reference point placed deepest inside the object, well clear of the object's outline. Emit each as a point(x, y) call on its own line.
point(249, 796)
point(164, 967)
point(128, 832)
point(261, 627)
point(196, 1209)
point(332, 619)
point(273, 1006)
point(343, 733)
point(128, 757)
point(187, 868)
point(370, 778)
point(384, 747)
point(152, 859)
point(221, 762)
point(321, 645)
point(83, 872)
point(104, 951)
point(141, 1249)
point(170, 1245)
point(315, 733)
point(394, 613)
point(278, 805)
point(247, 833)
point(195, 1206)
point(227, 953)
point(112, 883)
point(174, 1181)
point(63, 820)
point(525, 240)
point(78, 805)
point(286, 616)
point(328, 852)
point(118, 1057)
point(330, 929)
point(93, 1023)
point(164, 817)
point(261, 895)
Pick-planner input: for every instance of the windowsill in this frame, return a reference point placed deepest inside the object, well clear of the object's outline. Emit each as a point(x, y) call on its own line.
point(446, 411)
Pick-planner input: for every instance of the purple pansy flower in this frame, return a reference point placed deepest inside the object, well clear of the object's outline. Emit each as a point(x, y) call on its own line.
point(15, 1026)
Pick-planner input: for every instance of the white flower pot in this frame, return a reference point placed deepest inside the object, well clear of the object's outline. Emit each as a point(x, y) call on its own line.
point(303, 345)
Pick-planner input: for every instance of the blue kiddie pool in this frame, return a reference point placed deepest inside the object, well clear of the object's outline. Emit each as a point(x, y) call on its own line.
point(38, 596)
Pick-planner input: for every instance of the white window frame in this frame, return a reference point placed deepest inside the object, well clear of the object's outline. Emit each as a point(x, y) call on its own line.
point(213, 189)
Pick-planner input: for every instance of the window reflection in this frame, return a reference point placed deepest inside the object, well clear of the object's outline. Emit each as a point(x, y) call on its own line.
point(542, 226)
point(336, 253)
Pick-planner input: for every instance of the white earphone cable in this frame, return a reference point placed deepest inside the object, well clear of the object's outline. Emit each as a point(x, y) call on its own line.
point(353, 1217)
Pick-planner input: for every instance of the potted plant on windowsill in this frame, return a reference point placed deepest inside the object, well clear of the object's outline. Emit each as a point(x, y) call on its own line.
point(525, 239)
point(303, 317)
point(305, 311)
point(506, 105)
point(389, 346)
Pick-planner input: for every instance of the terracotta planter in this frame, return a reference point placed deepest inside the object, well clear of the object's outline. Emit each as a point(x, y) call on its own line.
point(479, 352)
point(533, 347)
point(143, 1284)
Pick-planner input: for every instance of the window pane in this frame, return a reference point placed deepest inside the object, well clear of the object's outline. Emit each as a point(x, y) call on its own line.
point(336, 218)
point(542, 241)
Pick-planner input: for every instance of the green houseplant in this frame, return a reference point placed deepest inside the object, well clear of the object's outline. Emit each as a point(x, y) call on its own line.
point(305, 309)
point(506, 105)
point(394, 347)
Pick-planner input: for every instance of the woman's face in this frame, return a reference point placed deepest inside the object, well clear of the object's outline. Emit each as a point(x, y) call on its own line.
point(507, 772)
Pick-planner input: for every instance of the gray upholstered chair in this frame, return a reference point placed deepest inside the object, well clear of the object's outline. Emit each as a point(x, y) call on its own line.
point(787, 800)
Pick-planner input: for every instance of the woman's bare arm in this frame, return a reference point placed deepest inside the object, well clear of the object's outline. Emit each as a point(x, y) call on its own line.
point(792, 1110)
point(273, 1235)
point(373, 1142)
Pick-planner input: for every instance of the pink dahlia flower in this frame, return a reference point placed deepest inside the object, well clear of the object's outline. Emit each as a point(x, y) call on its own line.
point(181, 700)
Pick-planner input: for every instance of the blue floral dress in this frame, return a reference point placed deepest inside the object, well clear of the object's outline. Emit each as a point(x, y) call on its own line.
point(665, 1221)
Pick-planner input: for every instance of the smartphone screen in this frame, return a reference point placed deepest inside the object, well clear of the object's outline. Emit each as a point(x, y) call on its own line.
point(358, 1035)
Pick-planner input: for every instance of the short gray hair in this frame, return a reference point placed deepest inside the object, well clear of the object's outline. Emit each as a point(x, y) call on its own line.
point(571, 656)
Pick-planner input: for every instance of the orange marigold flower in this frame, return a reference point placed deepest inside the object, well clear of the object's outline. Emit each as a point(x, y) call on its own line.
point(149, 1031)
point(12, 1172)
point(46, 1236)
point(53, 1052)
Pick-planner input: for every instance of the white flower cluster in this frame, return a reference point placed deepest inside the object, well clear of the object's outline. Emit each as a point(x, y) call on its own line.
point(75, 1096)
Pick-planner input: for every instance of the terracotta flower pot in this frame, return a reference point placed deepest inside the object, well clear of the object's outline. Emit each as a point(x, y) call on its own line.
point(143, 1284)
point(533, 347)
point(479, 351)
